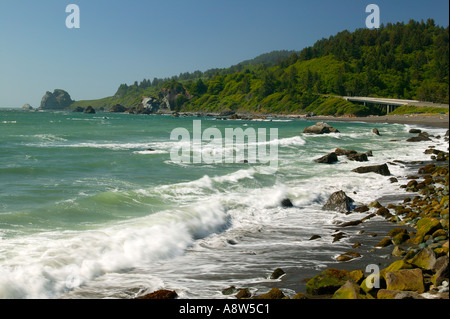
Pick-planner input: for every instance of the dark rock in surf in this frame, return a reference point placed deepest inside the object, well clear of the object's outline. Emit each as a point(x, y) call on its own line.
point(379, 169)
point(359, 157)
point(339, 201)
point(277, 273)
point(313, 237)
point(422, 137)
point(351, 223)
point(286, 203)
point(320, 128)
point(243, 293)
point(361, 209)
point(338, 236)
point(327, 159)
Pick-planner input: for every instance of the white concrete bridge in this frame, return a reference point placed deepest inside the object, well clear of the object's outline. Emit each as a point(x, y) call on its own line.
point(391, 104)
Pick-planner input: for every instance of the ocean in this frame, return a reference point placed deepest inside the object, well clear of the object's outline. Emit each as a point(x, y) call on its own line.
point(94, 206)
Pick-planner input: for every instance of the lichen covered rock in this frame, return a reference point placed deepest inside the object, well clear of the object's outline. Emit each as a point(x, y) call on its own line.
point(327, 282)
point(405, 280)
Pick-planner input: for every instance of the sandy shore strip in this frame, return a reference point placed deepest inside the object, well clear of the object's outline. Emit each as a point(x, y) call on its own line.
point(438, 120)
point(428, 120)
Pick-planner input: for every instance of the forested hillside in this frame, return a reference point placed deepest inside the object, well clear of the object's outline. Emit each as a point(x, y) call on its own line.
point(408, 61)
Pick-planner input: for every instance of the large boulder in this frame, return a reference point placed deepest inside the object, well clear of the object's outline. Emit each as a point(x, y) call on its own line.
point(58, 100)
point(350, 290)
point(405, 280)
point(426, 226)
point(339, 201)
point(425, 259)
point(379, 169)
point(320, 128)
point(441, 269)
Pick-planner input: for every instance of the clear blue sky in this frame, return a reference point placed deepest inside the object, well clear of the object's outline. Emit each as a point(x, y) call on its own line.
point(122, 41)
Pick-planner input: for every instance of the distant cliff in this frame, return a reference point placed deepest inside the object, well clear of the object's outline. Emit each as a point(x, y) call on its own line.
point(58, 100)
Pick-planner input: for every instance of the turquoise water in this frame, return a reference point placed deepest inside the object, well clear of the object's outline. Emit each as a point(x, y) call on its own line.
point(86, 211)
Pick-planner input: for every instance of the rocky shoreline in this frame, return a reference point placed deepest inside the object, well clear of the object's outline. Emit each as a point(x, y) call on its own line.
point(418, 237)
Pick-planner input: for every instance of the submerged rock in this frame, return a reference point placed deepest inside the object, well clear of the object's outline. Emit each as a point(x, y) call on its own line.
point(348, 256)
point(229, 291)
point(338, 236)
point(313, 237)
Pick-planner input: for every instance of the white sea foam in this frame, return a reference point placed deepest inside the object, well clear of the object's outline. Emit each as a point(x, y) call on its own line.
point(237, 176)
point(289, 141)
point(150, 152)
point(50, 264)
point(112, 146)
